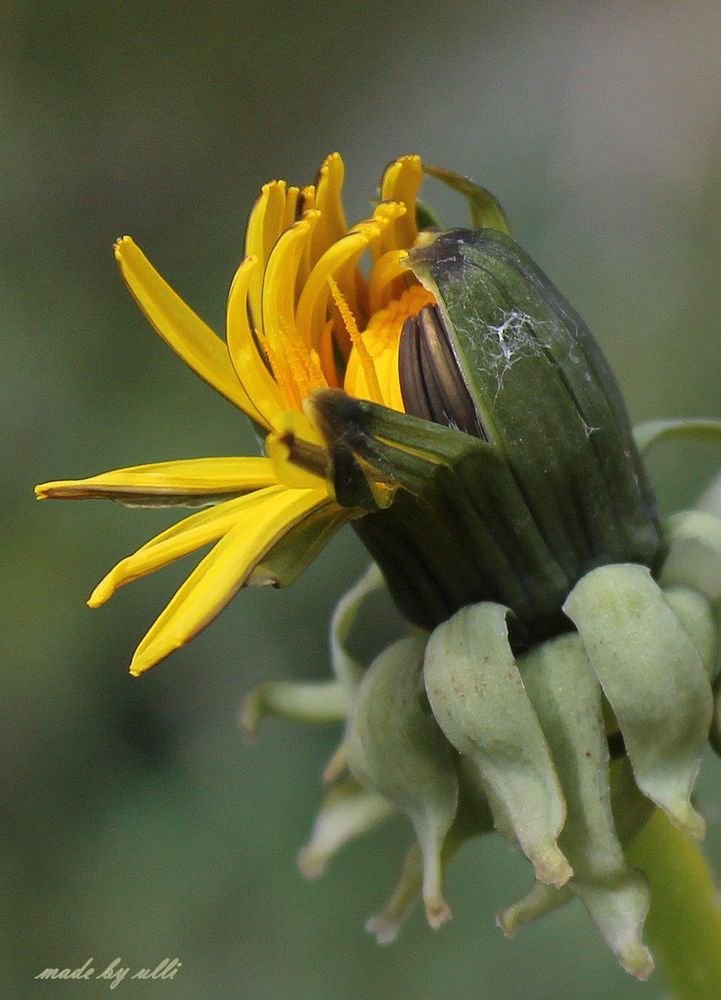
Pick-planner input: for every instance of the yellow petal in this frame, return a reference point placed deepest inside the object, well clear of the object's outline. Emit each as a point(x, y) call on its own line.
point(190, 481)
point(182, 538)
point(222, 573)
point(306, 202)
point(401, 182)
point(265, 225)
point(249, 365)
point(389, 279)
point(293, 431)
point(311, 312)
point(291, 207)
point(332, 223)
point(183, 331)
point(279, 281)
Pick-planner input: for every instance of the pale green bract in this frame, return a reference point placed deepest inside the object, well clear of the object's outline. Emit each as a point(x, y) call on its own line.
point(461, 734)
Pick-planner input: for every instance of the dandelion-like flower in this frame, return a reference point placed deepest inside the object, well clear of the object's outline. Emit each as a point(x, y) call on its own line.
point(301, 316)
point(436, 391)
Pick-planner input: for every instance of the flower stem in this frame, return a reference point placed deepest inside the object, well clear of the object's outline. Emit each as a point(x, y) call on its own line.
point(684, 922)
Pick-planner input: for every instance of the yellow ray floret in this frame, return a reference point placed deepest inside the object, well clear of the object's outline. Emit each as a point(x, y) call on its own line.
point(401, 182)
point(251, 369)
point(223, 572)
point(302, 314)
point(186, 536)
point(329, 202)
point(179, 326)
point(190, 481)
point(265, 225)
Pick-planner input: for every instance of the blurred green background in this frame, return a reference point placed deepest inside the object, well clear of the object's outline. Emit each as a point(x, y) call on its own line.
point(137, 823)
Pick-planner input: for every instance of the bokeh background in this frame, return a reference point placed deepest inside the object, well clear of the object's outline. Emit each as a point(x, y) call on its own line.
point(136, 821)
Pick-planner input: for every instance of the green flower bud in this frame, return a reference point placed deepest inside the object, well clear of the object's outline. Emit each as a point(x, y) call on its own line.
point(514, 471)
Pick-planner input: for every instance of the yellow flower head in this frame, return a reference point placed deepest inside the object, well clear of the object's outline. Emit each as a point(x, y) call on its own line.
point(315, 304)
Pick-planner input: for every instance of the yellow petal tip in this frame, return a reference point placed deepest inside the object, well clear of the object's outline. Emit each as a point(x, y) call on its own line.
point(102, 593)
point(60, 489)
point(140, 664)
point(120, 243)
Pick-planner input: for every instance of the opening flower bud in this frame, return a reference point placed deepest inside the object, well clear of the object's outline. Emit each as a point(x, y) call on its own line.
point(450, 403)
point(535, 478)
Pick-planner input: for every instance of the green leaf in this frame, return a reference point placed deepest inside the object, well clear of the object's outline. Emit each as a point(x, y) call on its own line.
point(696, 615)
point(631, 811)
point(286, 560)
point(300, 702)
point(540, 900)
point(346, 668)
point(472, 819)
point(386, 925)
point(348, 811)
point(426, 217)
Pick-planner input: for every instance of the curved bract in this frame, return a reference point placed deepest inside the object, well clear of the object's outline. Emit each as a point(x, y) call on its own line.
point(533, 741)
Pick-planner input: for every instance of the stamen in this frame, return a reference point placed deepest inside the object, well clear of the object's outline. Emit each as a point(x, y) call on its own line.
point(282, 372)
point(298, 364)
point(364, 357)
point(315, 370)
point(304, 365)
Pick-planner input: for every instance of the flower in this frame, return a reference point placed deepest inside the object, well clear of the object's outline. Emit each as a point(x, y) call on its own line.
point(301, 316)
point(452, 406)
